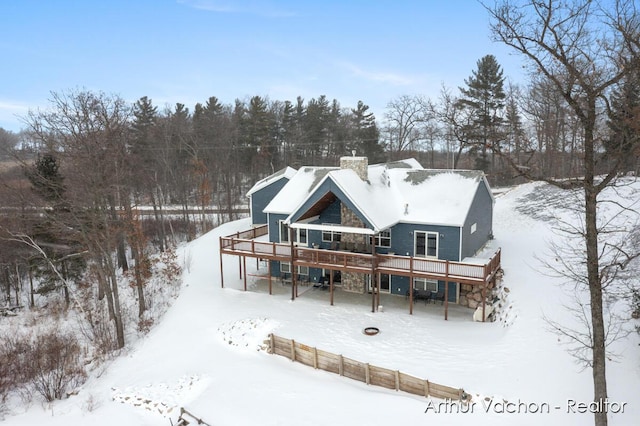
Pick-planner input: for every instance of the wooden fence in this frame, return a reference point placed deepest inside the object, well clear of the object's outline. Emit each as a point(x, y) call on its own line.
point(363, 372)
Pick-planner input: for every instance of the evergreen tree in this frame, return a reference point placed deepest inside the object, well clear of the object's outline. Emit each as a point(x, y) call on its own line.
point(142, 140)
point(46, 179)
point(365, 134)
point(623, 144)
point(485, 97)
point(316, 128)
point(258, 133)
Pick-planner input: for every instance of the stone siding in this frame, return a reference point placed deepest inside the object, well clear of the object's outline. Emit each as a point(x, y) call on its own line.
point(352, 282)
point(357, 164)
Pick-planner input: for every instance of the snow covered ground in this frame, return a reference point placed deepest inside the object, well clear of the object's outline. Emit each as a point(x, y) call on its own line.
point(207, 356)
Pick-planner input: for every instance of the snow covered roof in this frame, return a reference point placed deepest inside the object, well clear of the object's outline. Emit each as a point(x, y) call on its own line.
point(297, 189)
point(287, 172)
point(400, 192)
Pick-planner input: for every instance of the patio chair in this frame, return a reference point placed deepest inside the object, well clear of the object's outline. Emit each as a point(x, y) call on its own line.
point(438, 296)
point(285, 278)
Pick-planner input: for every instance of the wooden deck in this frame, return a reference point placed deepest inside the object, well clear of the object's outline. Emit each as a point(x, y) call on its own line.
point(244, 244)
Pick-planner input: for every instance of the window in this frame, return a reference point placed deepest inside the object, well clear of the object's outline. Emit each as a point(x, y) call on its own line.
point(425, 284)
point(284, 232)
point(330, 236)
point(473, 227)
point(426, 244)
point(299, 236)
point(285, 268)
point(302, 236)
point(383, 239)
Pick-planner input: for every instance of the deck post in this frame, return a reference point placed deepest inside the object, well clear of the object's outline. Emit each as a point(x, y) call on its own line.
point(373, 276)
point(379, 281)
point(221, 271)
point(269, 275)
point(446, 290)
point(331, 286)
point(244, 264)
point(411, 285)
point(484, 299)
point(293, 265)
point(239, 266)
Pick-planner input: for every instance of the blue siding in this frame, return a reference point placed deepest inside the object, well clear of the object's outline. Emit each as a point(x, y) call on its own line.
point(274, 230)
point(261, 198)
point(402, 239)
point(480, 213)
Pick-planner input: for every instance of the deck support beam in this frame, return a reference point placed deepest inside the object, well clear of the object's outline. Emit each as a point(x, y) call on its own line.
point(244, 278)
point(294, 268)
point(484, 300)
point(446, 290)
point(269, 276)
point(411, 286)
point(331, 286)
point(373, 276)
point(221, 269)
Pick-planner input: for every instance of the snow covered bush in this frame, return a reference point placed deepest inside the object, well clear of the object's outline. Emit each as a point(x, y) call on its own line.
point(48, 364)
point(55, 366)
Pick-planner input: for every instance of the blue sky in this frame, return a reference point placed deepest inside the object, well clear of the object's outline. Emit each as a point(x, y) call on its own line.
point(188, 50)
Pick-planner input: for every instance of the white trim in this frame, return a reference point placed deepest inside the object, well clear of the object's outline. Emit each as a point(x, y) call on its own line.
point(346, 193)
point(426, 244)
point(299, 268)
point(288, 172)
point(425, 281)
point(332, 228)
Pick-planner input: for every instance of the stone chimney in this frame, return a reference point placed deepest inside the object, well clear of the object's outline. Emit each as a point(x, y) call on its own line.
point(357, 164)
point(352, 281)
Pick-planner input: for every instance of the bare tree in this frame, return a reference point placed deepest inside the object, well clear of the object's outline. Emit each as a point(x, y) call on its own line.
point(89, 132)
point(456, 121)
point(584, 48)
point(405, 117)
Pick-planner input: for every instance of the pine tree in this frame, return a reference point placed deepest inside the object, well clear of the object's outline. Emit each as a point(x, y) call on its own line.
point(623, 144)
point(365, 134)
point(485, 97)
point(46, 179)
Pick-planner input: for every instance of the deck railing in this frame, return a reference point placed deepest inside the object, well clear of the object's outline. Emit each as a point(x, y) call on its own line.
point(244, 244)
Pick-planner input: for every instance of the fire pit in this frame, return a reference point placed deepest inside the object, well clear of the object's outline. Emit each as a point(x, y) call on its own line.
point(371, 331)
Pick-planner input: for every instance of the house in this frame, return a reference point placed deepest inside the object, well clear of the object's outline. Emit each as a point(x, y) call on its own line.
point(392, 228)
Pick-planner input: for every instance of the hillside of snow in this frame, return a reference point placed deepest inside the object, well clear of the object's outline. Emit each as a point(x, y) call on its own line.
point(207, 354)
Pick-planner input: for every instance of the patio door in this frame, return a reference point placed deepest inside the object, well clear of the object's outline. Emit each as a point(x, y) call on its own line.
point(385, 283)
point(425, 244)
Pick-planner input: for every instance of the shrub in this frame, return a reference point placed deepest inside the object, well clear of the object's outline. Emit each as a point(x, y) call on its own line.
point(55, 359)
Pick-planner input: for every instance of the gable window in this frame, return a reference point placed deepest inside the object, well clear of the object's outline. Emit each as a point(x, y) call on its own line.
point(383, 239)
point(473, 227)
point(426, 244)
point(330, 236)
point(425, 284)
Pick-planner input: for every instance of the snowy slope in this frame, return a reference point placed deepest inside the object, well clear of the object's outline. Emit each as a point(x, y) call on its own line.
point(205, 354)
